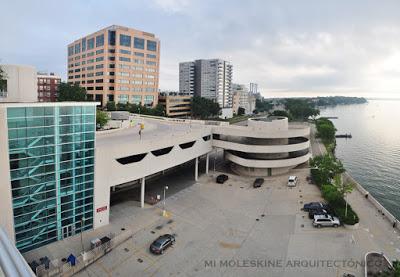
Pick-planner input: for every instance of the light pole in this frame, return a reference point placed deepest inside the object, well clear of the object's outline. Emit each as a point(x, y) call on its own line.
point(164, 211)
point(82, 221)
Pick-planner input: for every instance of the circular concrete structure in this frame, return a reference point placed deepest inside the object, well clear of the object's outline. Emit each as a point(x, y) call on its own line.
point(266, 146)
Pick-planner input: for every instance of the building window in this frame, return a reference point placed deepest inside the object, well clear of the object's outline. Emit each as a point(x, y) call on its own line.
point(138, 61)
point(151, 56)
point(151, 45)
point(101, 51)
point(123, 98)
point(83, 44)
point(123, 59)
point(136, 99)
point(70, 50)
point(111, 65)
point(139, 54)
point(123, 51)
point(90, 43)
point(111, 50)
point(100, 40)
point(124, 66)
point(151, 63)
point(77, 48)
point(111, 58)
point(99, 73)
point(90, 67)
point(111, 37)
point(3, 88)
point(139, 43)
point(124, 40)
point(99, 59)
point(99, 81)
point(148, 100)
point(99, 66)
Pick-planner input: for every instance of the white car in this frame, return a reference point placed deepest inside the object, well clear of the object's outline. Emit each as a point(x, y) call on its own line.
point(325, 221)
point(292, 182)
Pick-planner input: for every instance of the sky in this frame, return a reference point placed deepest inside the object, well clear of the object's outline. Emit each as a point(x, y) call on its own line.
point(290, 48)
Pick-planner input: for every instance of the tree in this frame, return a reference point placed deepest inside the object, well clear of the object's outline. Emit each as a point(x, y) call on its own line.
point(111, 106)
point(282, 113)
point(241, 111)
point(3, 80)
point(68, 92)
point(204, 108)
point(101, 119)
point(343, 188)
point(301, 109)
point(262, 105)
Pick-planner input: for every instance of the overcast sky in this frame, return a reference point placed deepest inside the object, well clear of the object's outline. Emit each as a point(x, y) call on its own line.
point(287, 47)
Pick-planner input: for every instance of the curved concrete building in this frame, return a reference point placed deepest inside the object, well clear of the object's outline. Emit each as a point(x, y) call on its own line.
point(266, 146)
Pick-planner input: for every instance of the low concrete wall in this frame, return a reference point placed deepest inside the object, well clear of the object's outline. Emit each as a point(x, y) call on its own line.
point(382, 210)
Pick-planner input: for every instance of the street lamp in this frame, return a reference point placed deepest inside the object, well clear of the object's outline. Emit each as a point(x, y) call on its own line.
point(164, 211)
point(82, 221)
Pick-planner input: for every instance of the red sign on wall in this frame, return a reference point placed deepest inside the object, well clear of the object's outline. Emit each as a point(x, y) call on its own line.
point(101, 209)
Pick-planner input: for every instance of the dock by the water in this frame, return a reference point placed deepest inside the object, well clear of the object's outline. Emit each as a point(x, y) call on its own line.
point(344, 136)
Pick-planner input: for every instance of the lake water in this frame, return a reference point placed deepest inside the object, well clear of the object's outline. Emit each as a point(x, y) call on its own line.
point(372, 156)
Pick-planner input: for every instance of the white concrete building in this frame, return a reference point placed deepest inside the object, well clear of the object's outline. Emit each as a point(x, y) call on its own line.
point(58, 176)
point(210, 79)
point(246, 99)
point(21, 84)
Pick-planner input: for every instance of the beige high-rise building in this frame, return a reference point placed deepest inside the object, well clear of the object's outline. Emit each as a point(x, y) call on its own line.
point(117, 64)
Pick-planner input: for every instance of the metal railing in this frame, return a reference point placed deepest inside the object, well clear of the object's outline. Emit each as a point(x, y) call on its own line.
point(59, 268)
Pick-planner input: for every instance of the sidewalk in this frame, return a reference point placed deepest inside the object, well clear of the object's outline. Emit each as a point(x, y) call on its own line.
point(375, 231)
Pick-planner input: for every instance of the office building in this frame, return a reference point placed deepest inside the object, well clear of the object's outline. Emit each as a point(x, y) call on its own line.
point(47, 85)
point(244, 98)
point(117, 64)
point(176, 104)
point(20, 84)
point(47, 168)
point(211, 79)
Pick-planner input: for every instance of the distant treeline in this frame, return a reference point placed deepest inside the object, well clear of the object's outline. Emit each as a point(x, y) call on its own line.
point(338, 100)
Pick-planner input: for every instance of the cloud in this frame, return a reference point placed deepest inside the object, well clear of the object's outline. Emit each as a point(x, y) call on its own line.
point(172, 6)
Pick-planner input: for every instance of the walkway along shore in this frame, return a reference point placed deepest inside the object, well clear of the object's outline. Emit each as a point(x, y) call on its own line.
point(375, 220)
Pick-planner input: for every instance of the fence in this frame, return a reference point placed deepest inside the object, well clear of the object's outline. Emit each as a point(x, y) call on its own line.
point(382, 210)
point(59, 268)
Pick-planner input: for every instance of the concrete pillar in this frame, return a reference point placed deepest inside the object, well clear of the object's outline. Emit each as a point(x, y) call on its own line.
point(207, 162)
point(142, 188)
point(196, 169)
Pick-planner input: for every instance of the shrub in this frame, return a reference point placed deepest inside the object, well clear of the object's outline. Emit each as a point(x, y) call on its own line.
point(350, 219)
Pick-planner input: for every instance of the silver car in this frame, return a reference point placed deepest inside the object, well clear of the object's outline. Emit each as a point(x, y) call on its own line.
point(325, 221)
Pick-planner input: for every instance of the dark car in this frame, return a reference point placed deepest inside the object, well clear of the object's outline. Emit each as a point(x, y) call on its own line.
point(311, 213)
point(222, 178)
point(258, 182)
point(161, 243)
point(314, 206)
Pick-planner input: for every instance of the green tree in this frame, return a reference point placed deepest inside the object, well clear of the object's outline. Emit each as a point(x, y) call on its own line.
point(241, 111)
point(301, 109)
point(101, 119)
point(204, 108)
point(67, 92)
point(3, 79)
point(396, 266)
point(343, 188)
point(325, 130)
point(263, 105)
point(282, 113)
point(111, 106)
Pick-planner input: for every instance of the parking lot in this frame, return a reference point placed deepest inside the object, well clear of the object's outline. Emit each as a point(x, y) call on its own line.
point(232, 229)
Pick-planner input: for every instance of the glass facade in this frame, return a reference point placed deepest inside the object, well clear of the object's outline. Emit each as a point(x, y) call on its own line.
point(151, 45)
point(138, 43)
point(51, 152)
point(124, 40)
point(100, 40)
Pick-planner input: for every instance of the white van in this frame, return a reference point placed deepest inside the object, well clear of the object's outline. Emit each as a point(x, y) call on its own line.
point(292, 182)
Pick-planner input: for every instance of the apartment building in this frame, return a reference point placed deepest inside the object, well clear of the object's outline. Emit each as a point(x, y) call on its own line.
point(117, 64)
point(210, 79)
point(176, 104)
point(47, 86)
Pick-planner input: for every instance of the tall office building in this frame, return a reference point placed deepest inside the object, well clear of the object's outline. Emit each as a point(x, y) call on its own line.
point(211, 79)
point(47, 170)
point(116, 64)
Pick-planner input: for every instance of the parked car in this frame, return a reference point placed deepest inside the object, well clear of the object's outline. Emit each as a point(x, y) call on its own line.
point(292, 182)
point(314, 206)
point(222, 178)
point(161, 243)
point(312, 213)
point(325, 221)
point(258, 182)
